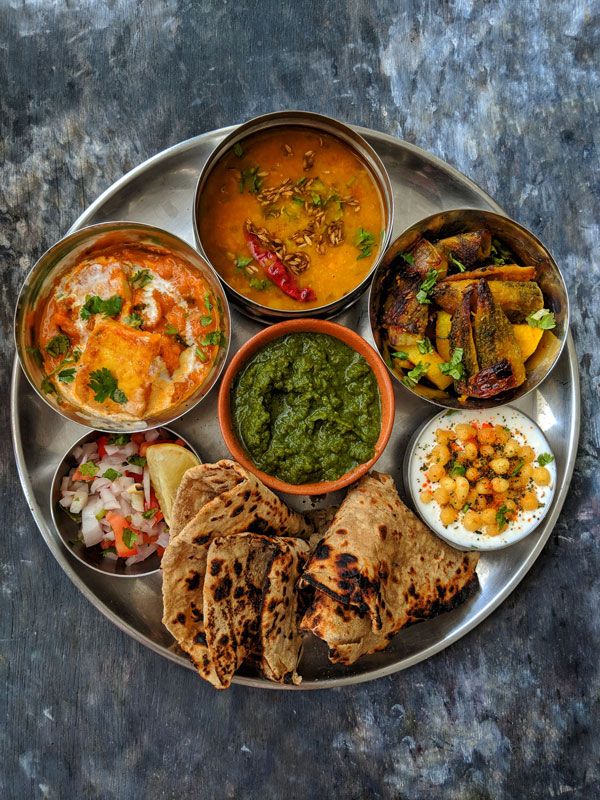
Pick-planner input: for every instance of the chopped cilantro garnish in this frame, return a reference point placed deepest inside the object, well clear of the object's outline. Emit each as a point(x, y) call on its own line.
point(89, 469)
point(426, 287)
point(215, 337)
point(259, 283)
point(424, 346)
point(238, 150)
point(456, 469)
point(501, 519)
point(66, 375)
point(171, 330)
point(111, 474)
point(365, 242)
point(465, 508)
point(47, 386)
point(543, 319)
point(414, 376)
point(34, 352)
point(119, 439)
point(201, 355)
point(96, 305)
point(138, 461)
point(204, 321)
point(500, 255)
point(460, 266)
point(207, 304)
point(105, 386)
point(129, 537)
point(58, 345)
point(545, 458)
point(241, 262)
point(454, 367)
point(149, 513)
point(401, 354)
point(316, 199)
point(409, 258)
point(108, 550)
point(134, 320)
point(250, 180)
point(141, 278)
point(518, 468)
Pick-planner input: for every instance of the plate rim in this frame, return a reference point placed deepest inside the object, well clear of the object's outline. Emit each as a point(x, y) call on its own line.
point(61, 554)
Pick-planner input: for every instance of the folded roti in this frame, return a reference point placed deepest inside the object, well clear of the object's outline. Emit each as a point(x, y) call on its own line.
point(244, 504)
point(280, 639)
point(236, 573)
point(377, 570)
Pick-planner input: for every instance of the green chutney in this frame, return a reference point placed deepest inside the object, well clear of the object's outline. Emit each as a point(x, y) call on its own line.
point(307, 408)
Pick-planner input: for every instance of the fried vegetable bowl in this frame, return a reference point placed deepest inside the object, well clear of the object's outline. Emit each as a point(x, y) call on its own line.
point(468, 309)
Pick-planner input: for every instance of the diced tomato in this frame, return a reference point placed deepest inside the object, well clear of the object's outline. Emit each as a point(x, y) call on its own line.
point(137, 478)
point(160, 550)
point(78, 476)
point(102, 441)
point(106, 543)
point(154, 504)
point(138, 438)
point(118, 523)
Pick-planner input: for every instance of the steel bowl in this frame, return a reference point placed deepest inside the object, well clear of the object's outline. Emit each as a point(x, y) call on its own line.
point(529, 251)
point(324, 124)
point(60, 258)
point(68, 528)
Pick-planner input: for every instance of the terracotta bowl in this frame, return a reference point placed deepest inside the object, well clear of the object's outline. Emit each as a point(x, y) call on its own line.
point(353, 340)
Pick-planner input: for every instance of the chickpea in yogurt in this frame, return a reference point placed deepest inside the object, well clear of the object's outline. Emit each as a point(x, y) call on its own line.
point(483, 476)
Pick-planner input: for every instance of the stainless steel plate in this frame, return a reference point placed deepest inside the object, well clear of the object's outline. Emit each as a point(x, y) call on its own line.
point(161, 192)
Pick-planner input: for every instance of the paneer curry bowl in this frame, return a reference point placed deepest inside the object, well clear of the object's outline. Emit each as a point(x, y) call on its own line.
point(122, 326)
point(468, 309)
point(294, 211)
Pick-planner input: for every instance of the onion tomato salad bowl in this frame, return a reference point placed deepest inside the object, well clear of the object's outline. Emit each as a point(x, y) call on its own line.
point(112, 497)
point(122, 327)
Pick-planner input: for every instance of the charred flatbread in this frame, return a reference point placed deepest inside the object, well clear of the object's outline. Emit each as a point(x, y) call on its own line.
point(245, 504)
point(377, 570)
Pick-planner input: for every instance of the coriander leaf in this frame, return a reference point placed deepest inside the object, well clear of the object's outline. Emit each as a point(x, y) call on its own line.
point(426, 287)
point(34, 352)
point(96, 305)
point(241, 262)
point(201, 355)
point(66, 375)
point(501, 519)
point(58, 345)
point(409, 258)
point(238, 150)
point(465, 508)
point(108, 550)
point(250, 180)
point(215, 337)
point(518, 468)
point(424, 346)
point(171, 330)
point(134, 320)
point(456, 469)
point(207, 304)
point(138, 461)
point(259, 283)
point(316, 198)
point(141, 278)
point(89, 469)
point(119, 439)
point(545, 458)
point(401, 355)
point(461, 267)
point(543, 319)
point(47, 386)
point(111, 474)
point(454, 367)
point(364, 241)
point(204, 321)
point(129, 537)
point(414, 376)
point(149, 513)
point(104, 384)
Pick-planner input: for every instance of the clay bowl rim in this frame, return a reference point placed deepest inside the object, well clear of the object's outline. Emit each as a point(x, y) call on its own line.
point(307, 325)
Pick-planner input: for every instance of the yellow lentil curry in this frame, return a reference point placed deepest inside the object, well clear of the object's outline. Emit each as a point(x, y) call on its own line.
point(291, 218)
point(128, 332)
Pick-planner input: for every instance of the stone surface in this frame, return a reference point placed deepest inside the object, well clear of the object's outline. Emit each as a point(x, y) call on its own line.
point(508, 93)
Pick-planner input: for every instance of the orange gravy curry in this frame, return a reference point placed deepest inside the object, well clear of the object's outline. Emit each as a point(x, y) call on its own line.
point(128, 332)
point(303, 198)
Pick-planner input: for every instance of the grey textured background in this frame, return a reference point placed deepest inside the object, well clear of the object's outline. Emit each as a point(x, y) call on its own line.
point(508, 93)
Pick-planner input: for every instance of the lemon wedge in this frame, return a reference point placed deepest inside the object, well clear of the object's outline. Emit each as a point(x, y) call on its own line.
point(166, 464)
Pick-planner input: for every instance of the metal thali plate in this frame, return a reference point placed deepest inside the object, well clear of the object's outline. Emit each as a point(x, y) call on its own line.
point(160, 192)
